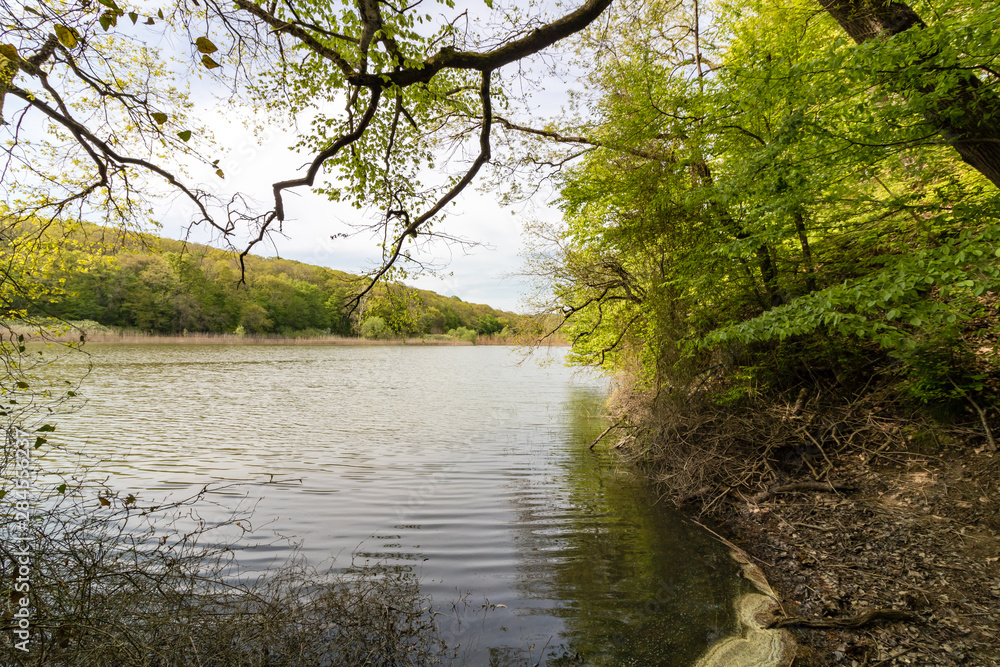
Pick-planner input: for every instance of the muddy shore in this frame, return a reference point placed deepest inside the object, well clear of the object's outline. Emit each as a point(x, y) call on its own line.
point(902, 565)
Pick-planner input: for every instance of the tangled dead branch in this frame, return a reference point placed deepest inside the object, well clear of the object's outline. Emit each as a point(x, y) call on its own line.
point(701, 451)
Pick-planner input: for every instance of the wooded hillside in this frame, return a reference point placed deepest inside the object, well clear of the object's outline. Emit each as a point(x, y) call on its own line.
point(159, 285)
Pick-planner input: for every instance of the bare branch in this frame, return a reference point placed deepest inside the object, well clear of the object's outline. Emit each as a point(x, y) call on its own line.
point(555, 136)
point(483, 158)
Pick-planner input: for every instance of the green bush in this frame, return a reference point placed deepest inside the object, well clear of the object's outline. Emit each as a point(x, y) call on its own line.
point(374, 327)
point(462, 333)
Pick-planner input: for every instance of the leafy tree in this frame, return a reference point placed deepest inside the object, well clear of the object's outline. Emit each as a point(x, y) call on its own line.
point(151, 292)
point(398, 308)
point(118, 127)
point(337, 311)
point(433, 321)
point(926, 67)
point(374, 327)
point(490, 324)
point(742, 198)
point(253, 318)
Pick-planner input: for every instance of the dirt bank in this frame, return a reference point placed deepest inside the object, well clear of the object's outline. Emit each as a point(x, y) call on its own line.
point(912, 536)
point(877, 526)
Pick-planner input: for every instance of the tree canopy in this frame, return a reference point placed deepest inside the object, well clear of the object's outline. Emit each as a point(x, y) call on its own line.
point(101, 117)
point(767, 198)
point(378, 93)
point(737, 174)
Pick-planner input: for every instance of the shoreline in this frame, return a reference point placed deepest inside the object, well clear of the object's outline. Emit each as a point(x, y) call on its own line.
point(902, 569)
point(233, 339)
point(877, 528)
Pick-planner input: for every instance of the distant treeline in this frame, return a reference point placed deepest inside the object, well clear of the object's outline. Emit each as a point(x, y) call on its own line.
point(163, 286)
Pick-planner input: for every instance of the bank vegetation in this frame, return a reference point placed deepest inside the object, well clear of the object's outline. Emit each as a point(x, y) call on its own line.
point(776, 241)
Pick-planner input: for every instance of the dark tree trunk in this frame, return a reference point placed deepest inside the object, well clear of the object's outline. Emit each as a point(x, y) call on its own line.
point(769, 272)
point(974, 131)
point(807, 258)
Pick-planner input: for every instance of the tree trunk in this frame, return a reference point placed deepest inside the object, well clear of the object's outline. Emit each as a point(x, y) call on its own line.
point(807, 258)
point(970, 120)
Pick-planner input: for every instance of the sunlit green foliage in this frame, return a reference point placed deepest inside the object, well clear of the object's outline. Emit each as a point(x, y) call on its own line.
point(785, 206)
point(374, 327)
point(462, 333)
point(163, 286)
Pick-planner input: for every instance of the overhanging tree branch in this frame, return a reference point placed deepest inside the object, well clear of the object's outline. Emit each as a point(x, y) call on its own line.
point(88, 141)
point(410, 229)
point(568, 139)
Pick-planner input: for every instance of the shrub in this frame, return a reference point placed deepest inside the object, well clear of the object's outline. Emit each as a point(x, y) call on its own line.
point(463, 333)
point(374, 327)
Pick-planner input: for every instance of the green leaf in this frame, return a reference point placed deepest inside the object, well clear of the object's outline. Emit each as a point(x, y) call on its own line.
point(39, 441)
point(159, 12)
point(68, 36)
point(21, 384)
point(106, 22)
point(134, 16)
point(218, 172)
point(46, 428)
point(61, 488)
point(205, 45)
point(184, 135)
point(209, 63)
point(160, 117)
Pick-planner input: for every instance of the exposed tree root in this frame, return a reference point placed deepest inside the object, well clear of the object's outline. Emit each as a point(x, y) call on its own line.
point(857, 621)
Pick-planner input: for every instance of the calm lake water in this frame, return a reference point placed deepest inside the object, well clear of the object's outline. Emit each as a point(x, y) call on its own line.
point(459, 463)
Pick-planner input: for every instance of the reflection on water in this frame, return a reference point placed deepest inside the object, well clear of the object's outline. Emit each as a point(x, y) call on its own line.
point(458, 463)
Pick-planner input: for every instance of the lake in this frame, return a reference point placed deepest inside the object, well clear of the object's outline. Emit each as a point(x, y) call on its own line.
point(469, 466)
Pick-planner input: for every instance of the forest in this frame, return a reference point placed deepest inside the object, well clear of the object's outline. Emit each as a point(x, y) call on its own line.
point(790, 211)
point(156, 285)
point(779, 234)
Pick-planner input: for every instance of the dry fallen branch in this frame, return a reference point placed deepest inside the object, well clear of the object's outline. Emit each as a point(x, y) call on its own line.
point(699, 451)
point(604, 433)
point(800, 487)
point(858, 620)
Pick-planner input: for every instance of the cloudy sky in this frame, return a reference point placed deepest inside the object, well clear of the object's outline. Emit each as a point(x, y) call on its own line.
point(485, 273)
point(482, 273)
